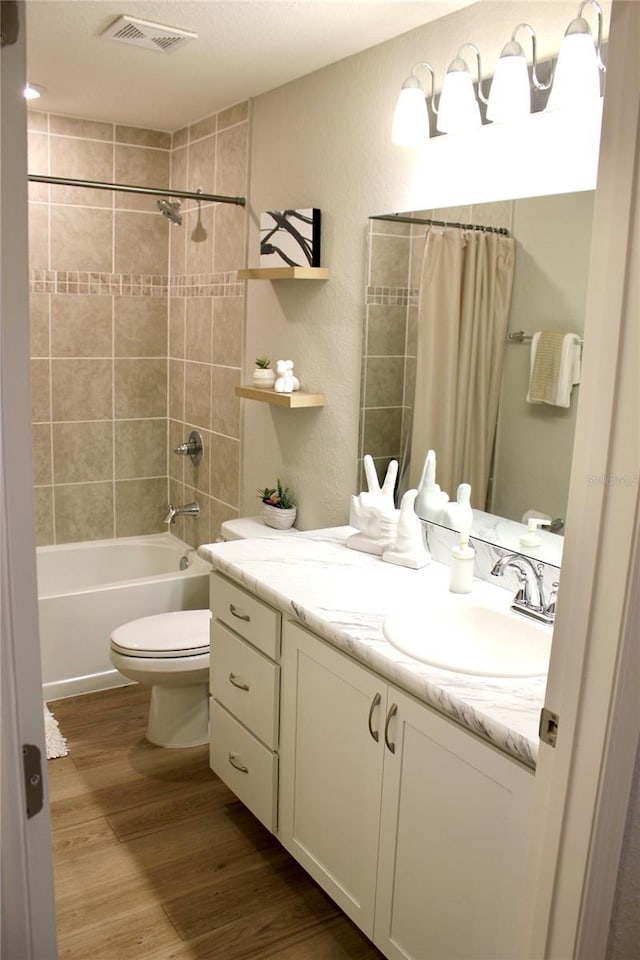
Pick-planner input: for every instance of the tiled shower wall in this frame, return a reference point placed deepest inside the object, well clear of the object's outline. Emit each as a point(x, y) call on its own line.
point(101, 287)
point(396, 251)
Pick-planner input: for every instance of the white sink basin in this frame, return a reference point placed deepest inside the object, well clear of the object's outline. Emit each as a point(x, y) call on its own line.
point(469, 635)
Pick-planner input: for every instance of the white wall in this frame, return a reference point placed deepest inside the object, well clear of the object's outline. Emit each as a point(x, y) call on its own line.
point(324, 141)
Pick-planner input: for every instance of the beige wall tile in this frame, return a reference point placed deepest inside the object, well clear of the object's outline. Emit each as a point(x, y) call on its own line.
point(386, 330)
point(384, 381)
point(140, 507)
point(416, 260)
point(141, 243)
point(382, 431)
point(178, 433)
point(77, 127)
point(81, 325)
point(231, 161)
point(82, 452)
point(225, 469)
point(203, 128)
point(228, 326)
point(389, 261)
point(140, 326)
point(202, 166)
point(84, 511)
point(141, 167)
point(38, 236)
point(176, 389)
point(38, 153)
point(40, 390)
point(43, 515)
point(39, 324)
point(197, 401)
point(41, 450)
point(220, 512)
point(199, 322)
point(199, 250)
point(225, 406)
point(81, 389)
point(197, 530)
point(235, 114)
point(386, 227)
point(140, 388)
point(143, 137)
point(178, 249)
point(230, 226)
point(412, 331)
point(180, 137)
point(179, 168)
point(81, 239)
point(177, 313)
point(177, 496)
point(409, 381)
point(140, 448)
point(198, 477)
point(81, 160)
point(37, 120)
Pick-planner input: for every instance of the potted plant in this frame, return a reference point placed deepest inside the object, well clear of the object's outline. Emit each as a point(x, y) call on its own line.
point(263, 376)
point(278, 509)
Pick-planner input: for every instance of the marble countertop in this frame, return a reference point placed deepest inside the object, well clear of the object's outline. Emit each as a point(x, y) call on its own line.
point(343, 596)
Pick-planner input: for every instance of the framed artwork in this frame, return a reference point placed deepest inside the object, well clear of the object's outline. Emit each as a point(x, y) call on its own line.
point(290, 238)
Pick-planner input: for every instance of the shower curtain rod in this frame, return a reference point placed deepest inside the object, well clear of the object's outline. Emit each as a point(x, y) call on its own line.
point(398, 218)
point(128, 188)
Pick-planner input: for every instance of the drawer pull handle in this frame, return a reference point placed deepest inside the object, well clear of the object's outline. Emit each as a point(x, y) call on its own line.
point(238, 766)
point(393, 709)
point(238, 683)
point(374, 703)
point(241, 616)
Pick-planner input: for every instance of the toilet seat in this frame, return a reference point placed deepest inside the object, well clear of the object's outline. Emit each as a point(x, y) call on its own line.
point(184, 633)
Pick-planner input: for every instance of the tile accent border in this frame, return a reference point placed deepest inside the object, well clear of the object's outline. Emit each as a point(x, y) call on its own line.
point(392, 296)
point(136, 285)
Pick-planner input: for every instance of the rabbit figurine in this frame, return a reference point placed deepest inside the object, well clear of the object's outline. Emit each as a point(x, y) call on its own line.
point(286, 382)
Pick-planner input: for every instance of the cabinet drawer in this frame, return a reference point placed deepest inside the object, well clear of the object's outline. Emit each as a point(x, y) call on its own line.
point(246, 683)
point(247, 767)
point(248, 616)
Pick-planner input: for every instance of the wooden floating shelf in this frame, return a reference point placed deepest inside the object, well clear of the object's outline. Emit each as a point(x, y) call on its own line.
point(284, 273)
point(290, 401)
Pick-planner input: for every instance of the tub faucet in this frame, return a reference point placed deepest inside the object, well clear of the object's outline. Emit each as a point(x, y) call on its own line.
point(530, 599)
point(186, 510)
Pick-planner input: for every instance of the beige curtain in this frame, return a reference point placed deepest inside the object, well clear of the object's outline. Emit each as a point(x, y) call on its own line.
point(465, 294)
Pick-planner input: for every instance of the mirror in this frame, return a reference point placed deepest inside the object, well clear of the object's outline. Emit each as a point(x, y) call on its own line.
point(533, 442)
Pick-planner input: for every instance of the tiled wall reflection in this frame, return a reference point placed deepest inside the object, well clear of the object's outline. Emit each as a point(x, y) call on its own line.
point(103, 265)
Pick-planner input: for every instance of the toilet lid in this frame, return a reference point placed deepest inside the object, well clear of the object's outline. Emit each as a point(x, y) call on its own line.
point(181, 634)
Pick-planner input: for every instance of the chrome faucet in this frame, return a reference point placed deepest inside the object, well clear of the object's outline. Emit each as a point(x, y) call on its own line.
point(186, 510)
point(530, 599)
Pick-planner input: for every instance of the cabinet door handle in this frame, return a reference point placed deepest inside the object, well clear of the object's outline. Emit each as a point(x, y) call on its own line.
point(374, 703)
point(238, 766)
point(235, 613)
point(237, 683)
point(393, 709)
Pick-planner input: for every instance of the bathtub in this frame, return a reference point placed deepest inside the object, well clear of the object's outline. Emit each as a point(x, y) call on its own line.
point(86, 590)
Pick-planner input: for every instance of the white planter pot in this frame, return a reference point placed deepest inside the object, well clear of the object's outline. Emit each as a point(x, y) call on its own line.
point(264, 379)
point(277, 518)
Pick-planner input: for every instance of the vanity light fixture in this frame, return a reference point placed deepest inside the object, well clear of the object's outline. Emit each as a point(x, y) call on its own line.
point(32, 91)
point(577, 74)
point(411, 116)
point(510, 93)
point(459, 110)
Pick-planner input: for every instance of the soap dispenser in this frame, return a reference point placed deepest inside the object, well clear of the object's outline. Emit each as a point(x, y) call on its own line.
point(532, 538)
point(461, 570)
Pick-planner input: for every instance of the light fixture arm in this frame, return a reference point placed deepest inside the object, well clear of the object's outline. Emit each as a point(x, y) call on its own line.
point(432, 73)
point(473, 47)
point(598, 9)
point(538, 84)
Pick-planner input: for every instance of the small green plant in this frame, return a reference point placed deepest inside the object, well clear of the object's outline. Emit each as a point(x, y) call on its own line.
point(263, 362)
point(277, 496)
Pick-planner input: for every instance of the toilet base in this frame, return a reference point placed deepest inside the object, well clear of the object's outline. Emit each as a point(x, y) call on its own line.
point(179, 716)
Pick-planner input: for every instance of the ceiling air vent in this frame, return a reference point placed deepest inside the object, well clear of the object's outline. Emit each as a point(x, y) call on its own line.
point(151, 36)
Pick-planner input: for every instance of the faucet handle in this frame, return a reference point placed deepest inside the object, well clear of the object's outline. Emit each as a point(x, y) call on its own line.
point(550, 607)
point(191, 448)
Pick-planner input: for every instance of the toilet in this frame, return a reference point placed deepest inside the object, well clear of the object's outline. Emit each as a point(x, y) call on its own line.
point(170, 653)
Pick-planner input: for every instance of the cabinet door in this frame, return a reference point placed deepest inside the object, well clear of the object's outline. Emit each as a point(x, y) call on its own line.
point(454, 825)
point(331, 769)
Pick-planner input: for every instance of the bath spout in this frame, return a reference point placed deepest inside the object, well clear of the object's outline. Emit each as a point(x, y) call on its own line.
point(186, 510)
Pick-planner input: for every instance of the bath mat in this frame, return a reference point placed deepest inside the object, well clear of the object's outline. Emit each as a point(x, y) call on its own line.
point(56, 743)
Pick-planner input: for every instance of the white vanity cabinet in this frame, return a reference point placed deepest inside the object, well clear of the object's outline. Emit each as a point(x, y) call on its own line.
point(415, 827)
point(245, 696)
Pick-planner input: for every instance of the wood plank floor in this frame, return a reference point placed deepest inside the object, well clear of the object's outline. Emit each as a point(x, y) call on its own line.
point(155, 859)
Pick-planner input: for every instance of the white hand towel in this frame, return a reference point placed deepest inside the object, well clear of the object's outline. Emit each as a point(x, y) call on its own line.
point(556, 361)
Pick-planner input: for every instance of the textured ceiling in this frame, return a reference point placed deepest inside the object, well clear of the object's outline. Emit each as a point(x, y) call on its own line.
point(244, 48)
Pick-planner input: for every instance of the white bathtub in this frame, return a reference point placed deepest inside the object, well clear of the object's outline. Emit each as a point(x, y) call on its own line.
point(86, 590)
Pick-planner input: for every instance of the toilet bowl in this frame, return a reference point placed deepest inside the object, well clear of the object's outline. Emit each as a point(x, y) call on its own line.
point(170, 653)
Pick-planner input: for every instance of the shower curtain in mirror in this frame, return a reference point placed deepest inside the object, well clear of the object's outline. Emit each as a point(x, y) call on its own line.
point(465, 294)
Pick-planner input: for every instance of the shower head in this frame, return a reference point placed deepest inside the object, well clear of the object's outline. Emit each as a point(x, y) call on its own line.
point(171, 210)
